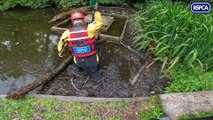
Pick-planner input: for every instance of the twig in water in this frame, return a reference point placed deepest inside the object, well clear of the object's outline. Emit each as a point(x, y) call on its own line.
point(86, 80)
point(61, 87)
point(74, 85)
point(135, 78)
point(154, 61)
point(134, 32)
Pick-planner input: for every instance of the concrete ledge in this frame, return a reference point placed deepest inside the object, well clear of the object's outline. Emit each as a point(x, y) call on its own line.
point(84, 99)
point(89, 99)
point(178, 104)
point(2, 96)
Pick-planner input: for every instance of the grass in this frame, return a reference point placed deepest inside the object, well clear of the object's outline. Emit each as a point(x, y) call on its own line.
point(112, 105)
point(151, 110)
point(175, 34)
point(196, 116)
point(185, 79)
point(30, 108)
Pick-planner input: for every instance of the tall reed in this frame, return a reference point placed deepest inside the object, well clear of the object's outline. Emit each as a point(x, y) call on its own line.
point(175, 34)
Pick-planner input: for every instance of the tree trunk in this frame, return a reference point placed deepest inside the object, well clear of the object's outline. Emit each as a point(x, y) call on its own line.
point(65, 14)
point(19, 93)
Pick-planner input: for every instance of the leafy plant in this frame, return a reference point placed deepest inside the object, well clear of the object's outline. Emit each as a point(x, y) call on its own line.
point(112, 2)
point(71, 3)
point(7, 4)
point(175, 34)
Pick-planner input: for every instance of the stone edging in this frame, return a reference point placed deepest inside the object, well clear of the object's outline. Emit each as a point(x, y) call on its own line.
point(85, 99)
point(2, 96)
point(90, 99)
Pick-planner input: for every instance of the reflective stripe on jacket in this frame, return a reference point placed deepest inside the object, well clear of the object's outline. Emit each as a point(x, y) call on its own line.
point(80, 45)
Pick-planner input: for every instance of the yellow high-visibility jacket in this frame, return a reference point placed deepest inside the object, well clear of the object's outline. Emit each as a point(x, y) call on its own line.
point(92, 28)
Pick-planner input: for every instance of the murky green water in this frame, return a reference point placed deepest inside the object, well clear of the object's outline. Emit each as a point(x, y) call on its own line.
point(116, 27)
point(27, 47)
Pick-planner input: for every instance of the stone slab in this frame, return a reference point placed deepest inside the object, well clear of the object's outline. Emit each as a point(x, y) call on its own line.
point(178, 104)
point(2, 96)
point(89, 99)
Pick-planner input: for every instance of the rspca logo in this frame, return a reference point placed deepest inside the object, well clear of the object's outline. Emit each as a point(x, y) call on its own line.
point(200, 7)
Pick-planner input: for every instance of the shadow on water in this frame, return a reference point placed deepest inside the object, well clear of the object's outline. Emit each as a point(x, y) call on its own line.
point(27, 47)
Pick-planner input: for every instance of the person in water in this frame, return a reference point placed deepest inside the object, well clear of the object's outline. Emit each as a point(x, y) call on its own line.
point(80, 40)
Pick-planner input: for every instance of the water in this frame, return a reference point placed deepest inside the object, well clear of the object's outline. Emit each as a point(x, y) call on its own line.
point(116, 27)
point(28, 49)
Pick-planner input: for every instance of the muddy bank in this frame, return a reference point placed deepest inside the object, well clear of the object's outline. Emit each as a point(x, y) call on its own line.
point(118, 66)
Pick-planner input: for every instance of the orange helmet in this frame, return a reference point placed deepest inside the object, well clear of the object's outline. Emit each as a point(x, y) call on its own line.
point(76, 15)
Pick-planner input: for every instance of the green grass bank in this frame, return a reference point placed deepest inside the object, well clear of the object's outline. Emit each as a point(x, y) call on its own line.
point(30, 108)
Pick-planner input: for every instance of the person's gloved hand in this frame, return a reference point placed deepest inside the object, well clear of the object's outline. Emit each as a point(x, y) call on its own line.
point(61, 54)
point(96, 6)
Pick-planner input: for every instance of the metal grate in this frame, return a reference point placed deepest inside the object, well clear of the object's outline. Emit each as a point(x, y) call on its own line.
point(107, 21)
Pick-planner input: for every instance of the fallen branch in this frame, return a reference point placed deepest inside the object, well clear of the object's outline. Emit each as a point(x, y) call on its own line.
point(64, 14)
point(103, 36)
point(64, 22)
point(58, 30)
point(135, 78)
point(19, 93)
point(125, 46)
point(74, 85)
point(110, 14)
point(87, 79)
